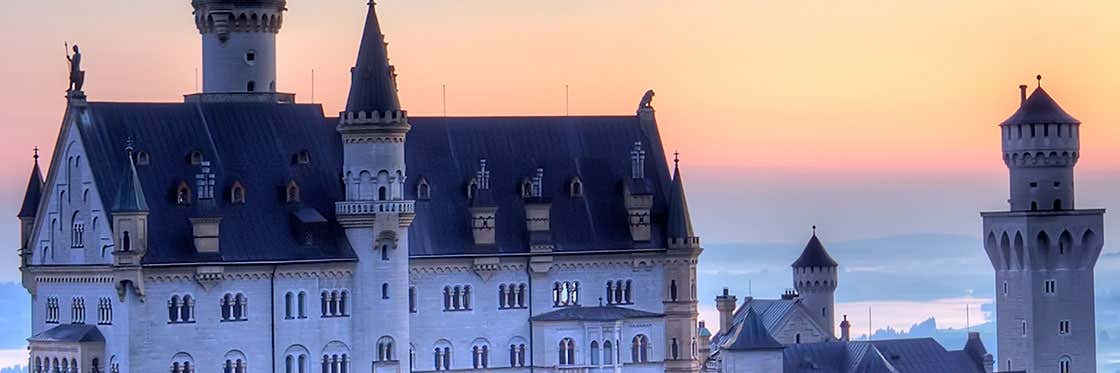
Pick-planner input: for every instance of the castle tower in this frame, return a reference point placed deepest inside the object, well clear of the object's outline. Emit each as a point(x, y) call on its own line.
point(1043, 250)
point(814, 277)
point(29, 210)
point(238, 44)
point(681, 328)
point(376, 214)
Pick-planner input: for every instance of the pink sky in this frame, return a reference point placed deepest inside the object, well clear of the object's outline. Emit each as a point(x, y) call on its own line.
point(865, 117)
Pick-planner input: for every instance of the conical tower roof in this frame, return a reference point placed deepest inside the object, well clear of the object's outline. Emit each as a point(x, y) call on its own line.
point(1040, 108)
point(34, 192)
point(130, 195)
point(815, 255)
point(373, 84)
point(680, 221)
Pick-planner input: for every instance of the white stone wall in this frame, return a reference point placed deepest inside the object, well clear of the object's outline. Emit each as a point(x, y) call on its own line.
point(769, 361)
point(799, 323)
point(226, 69)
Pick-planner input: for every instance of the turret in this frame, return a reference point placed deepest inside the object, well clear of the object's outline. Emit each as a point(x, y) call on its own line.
point(1041, 144)
point(680, 231)
point(845, 330)
point(814, 277)
point(29, 210)
point(130, 217)
point(238, 44)
point(725, 304)
point(376, 212)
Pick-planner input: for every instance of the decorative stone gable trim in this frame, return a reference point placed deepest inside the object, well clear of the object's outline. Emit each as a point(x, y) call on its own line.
point(485, 268)
point(207, 277)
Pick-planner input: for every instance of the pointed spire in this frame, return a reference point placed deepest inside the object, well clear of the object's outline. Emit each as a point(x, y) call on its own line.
point(373, 85)
point(130, 195)
point(34, 191)
point(680, 221)
point(814, 254)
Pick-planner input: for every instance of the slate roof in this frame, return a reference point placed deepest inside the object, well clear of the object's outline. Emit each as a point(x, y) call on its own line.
point(33, 194)
point(1040, 108)
point(680, 221)
point(814, 255)
point(248, 142)
point(921, 355)
point(78, 333)
point(373, 84)
point(600, 313)
point(446, 153)
point(750, 335)
point(130, 195)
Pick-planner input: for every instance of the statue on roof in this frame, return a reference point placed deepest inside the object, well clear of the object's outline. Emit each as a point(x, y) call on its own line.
point(647, 101)
point(77, 76)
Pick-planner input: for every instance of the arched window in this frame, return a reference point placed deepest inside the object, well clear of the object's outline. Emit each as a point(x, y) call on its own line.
point(1058, 204)
point(502, 296)
point(442, 355)
point(301, 304)
point(382, 193)
point(446, 298)
point(195, 157)
point(342, 301)
point(384, 252)
point(423, 190)
point(480, 352)
point(797, 338)
point(673, 290)
point(385, 291)
point(183, 194)
point(250, 86)
point(303, 157)
point(235, 362)
point(675, 349)
point(126, 242)
point(467, 297)
point(385, 349)
point(472, 187)
point(289, 307)
point(173, 309)
point(567, 352)
point(526, 188)
point(412, 299)
point(1064, 364)
point(237, 193)
point(575, 187)
point(323, 304)
point(594, 352)
point(186, 309)
point(639, 351)
point(608, 353)
point(521, 296)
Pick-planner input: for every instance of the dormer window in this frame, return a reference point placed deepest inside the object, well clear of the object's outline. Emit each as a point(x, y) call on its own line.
point(195, 157)
point(526, 188)
point(423, 190)
point(143, 158)
point(302, 157)
point(472, 188)
point(575, 188)
point(237, 193)
point(292, 193)
point(183, 194)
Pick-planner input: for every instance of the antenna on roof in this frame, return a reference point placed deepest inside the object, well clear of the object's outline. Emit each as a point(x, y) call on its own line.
point(312, 85)
point(567, 101)
point(967, 321)
point(445, 100)
point(869, 322)
point(196, 79)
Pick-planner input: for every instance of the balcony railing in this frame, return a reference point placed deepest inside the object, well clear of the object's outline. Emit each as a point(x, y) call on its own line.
point(374, 207)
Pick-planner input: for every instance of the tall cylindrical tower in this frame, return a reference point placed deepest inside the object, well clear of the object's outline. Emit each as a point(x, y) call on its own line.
point(1040, 147)
point(815, 277)
point(238, 44)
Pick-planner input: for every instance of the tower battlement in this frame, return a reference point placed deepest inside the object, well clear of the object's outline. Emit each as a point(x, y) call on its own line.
point(239, 43)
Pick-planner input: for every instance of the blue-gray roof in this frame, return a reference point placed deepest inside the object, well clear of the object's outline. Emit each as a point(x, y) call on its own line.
point(600, 313)
point(373, 84)
point(814, 255)
point(250, 143)
point(130, 195)
point(255, 143)
point(922, 355)
point(33, 194)
point(446, 153)
point(750, 335)
point(1040, 108)
point(78, 333)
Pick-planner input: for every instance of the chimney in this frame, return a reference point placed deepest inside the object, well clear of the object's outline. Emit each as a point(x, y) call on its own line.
point(845, 330)
point(206, 234)
point(725, 303)
point(1022, 94)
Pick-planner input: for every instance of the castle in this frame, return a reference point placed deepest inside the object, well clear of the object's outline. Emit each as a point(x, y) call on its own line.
point(240, 231)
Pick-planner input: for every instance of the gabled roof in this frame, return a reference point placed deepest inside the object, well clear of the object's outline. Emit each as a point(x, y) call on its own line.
point(247, 142)
point(33, 193)
point(1040, 108)
point(771, 313)
point(446, 153)
point(600, 313)
point(74, 333)
point(814, 255)
point(921, 355)
point(130, 195)
point(750, 335)
point(373, 86)
point(680, 221)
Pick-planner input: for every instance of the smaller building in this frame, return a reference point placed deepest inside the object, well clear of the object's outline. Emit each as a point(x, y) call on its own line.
point(794, 333)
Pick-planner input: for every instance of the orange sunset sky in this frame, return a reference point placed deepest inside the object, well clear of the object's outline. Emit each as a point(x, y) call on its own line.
point(865, 117)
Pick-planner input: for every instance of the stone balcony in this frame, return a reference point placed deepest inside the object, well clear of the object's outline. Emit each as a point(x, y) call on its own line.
point(364, 212)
